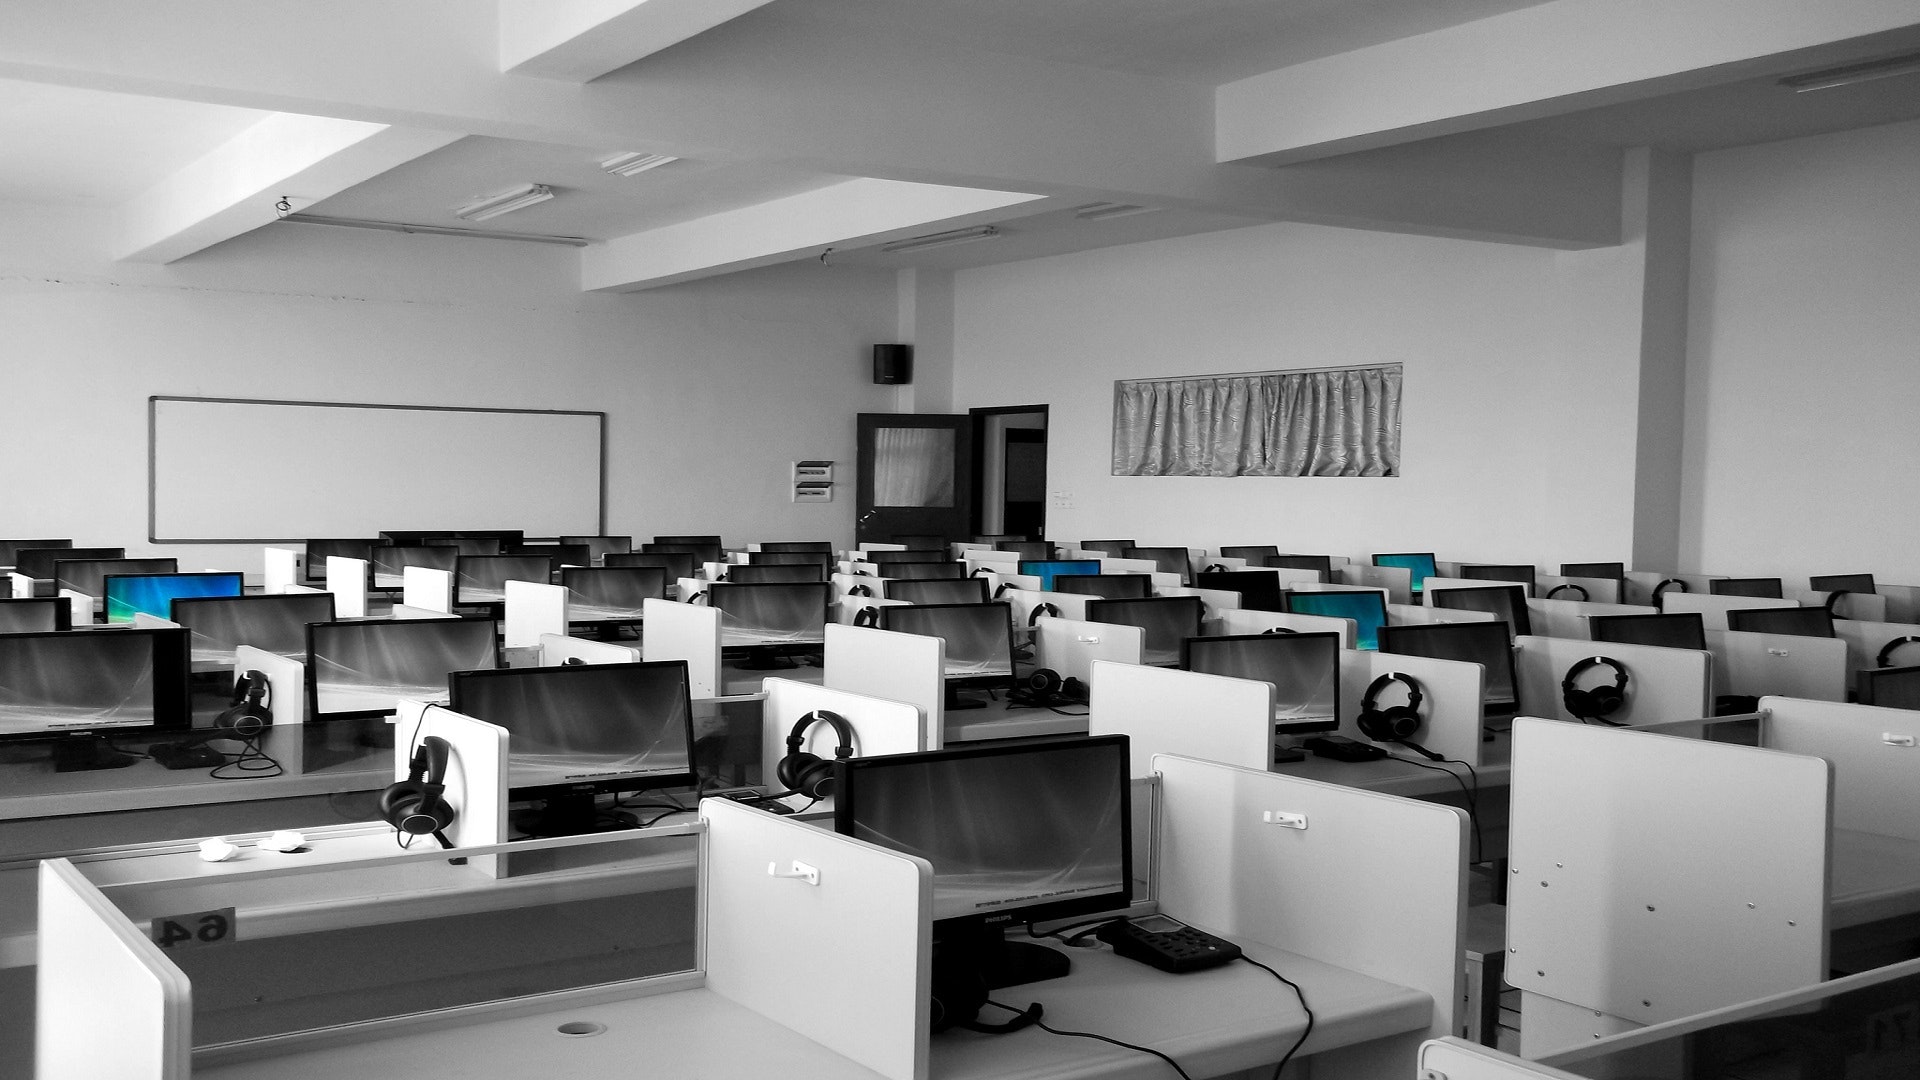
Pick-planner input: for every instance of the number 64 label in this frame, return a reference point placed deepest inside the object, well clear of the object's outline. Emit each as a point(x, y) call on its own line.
point(193, 930)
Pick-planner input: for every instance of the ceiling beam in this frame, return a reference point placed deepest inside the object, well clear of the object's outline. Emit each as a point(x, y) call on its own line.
point(578, 41)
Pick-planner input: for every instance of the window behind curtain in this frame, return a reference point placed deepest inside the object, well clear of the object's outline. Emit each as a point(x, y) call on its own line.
point(1341, 422)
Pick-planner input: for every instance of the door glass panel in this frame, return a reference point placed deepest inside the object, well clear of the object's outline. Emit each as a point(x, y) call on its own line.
point(913, 467)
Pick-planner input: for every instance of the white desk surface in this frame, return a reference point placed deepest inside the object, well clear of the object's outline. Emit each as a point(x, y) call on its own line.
point(738, 681)
point(35, 790)
point(1399, 778)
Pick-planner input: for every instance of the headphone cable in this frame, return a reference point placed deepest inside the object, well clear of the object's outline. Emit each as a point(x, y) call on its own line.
point(1051, 1030)
point(1472, 794)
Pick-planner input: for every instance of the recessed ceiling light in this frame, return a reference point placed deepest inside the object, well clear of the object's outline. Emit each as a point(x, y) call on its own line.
point(942, 239)
point(1100, 211)
point(1849, 74)
point(505, 202)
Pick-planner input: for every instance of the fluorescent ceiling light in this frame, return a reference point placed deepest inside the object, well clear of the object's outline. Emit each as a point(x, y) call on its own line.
point(433, 230)
point(942, 239)
point(1849, 74)
point(633, 163)
point(1101, 211)
point(505, 202)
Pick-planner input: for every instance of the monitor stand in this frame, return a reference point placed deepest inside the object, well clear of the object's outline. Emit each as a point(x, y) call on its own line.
point(85, 753)
point(570, 815)
point(764, 658)
point(955, 700)
point(986, 954)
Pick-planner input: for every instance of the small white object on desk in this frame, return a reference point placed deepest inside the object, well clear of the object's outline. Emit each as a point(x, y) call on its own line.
point(285, 841)
point(217, 849)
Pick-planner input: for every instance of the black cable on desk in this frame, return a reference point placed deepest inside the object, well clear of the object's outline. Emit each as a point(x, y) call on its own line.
point(1044, 1026)
point(1472, 794)
point(1299, 993)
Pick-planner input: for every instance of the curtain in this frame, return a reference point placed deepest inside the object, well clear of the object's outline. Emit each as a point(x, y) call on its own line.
point(1274, 423)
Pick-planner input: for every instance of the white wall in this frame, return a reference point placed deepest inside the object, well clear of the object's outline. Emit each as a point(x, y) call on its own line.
point(1518, 415)
point(711, 388)
point(1804, 359)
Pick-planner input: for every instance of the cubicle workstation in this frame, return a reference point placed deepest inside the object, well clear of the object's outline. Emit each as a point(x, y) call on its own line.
point(1613, 683)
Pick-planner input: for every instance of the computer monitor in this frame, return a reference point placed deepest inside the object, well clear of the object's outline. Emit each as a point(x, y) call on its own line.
point(127, 595)
point(1766, 588)
point(1111, 586)
point(39, 562)
point(318, 551)
point(1889, 687)
point(390, 563)
point(1255, 554)
point(479, 545)
point(1045, 569)
point(1259, 589)
point(364, 668)
point(1303, 668)
point(1107, 547)
point(275, 622)
point(1167, 560)
point(925, 571)
point(820, 547)
point(1319, 564)
point(482, 579)
point(1166, 620)
point(36, 615)
point(561, 554)
point(425, 537)
point(1419, 563)
point(1611, 570)
point(677, 564)
point(599, 547)
point(79, 686)
point(888, 557)
point(1035, 550)
point(691, 538)
point(1669, 630)
point(1016, 832)
point(818, 560)
point(1797, 621)
point(10, 549)
point(1853, 583)
point(90, 575)
point(580, 731)
point(611, 594)
point(979, 641)
point(761, 622)
point(754, 573)
point(971, 590)
point(1500, 572)
point(1483, 643)
point(701, 551)
point(1506, 603)
point(1367, 608)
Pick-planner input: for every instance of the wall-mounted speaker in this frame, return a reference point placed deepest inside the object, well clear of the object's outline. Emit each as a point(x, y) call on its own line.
point(892, 364)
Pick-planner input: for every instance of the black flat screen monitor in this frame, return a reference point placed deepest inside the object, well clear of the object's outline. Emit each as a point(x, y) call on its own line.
point(10, 549)
point(127, 595)
point(1107, 547)
point(599, 547)
point(925, 571)
point(677, 564)
point(315, 570)
point(761, 573)
point(1669, 630)
point(1045, 569)
point(888, 556)
point(1032, 830)
point(1319, 564)
point(1255, 554)
point(79, 686)
point(979, 640)
point(789, 616)
point(1110, 586)
point(1500, 572)
point(39, 562)
point(584, 730)
point(611, 594)
point(1483, 643)
point(1419, 564)
point(364, 668)
point(1259, 589)
point(1034, 550)
point(971, 590)
point(701, 552)
point(1367, 608)
point(482, 579)
point(1167, 621)
point(818, 560)
point(1854, 583)
point(90, 575)
point(275, 622)
point(1890, 687)
point(691, 538)
point(1507, 603)
point(1766, 588)
point(1611, 570)
point(420, 537)
point(37, 615)
point(478, 545)
point(561, 554)
point(390, 563)
point(1796, 621)
point(1304, 670)
point(818, 547)
point(1167, 560)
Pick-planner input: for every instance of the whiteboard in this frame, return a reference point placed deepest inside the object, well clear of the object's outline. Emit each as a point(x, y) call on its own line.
point(273, 471)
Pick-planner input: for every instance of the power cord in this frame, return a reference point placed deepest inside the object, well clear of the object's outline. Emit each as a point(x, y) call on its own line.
point(1472, 794)
point(1051, 1030)
point(252, 763)
point(1302, 995)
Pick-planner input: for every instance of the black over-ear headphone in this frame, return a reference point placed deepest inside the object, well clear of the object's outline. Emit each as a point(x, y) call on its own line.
point(1279, 630)
point(1601, 701)
point(417, 805)
point(1833, 601)
point(867, 616)
point(1044, 688)
point(1395, 723)
point(860, 590)
point(1042, 608)
point(809, 774)
point(249, 712)
point(1581, 589)
point(1670, 583)
point(1885, 659)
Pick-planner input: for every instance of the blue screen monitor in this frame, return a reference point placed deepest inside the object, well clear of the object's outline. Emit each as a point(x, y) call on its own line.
point(1419, 562)
point(1366, 607)
point(1045, 569)
point(128, 595)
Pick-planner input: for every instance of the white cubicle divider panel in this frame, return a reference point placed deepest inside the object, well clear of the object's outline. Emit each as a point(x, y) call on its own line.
point(107, 1001)
point(476, 772)
point(849, 608)
point(1167, 711)
point(425, 587)
point(691, 590)
point(1397, 580)
point(1655, 877)
point(286, 684)
point(1293, 577)
point(843, 584)
point(824, 934)
point(347, 581)
point(144, 621)
point(1248, 621)
point(1663, 685)
point(1414, 614)
point(1568, 618)
point(1903, 602)
point(879, 726)
point(1069, 647)
point(20, 586)
point(1866, 639)
point(1023, 601)
point(874, 546)
point(689, 632)
point(1454, 1058)
point(408, 611)
point(1005, 562)
point(80, 606)
point(1713, 609)
point(280, 569)
point(1214, 604)
point(897, 667)
point(1029, 582)
point(1370, 882)
point(557, 649)
point(1875, 755)
point(1866, 607)
point(533, 609)
point(303, 589)
point(1787, 665)
point(1452, 700)
point(1599, 590)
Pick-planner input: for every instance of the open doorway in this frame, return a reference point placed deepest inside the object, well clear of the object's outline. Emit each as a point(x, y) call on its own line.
point(1010, 444)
